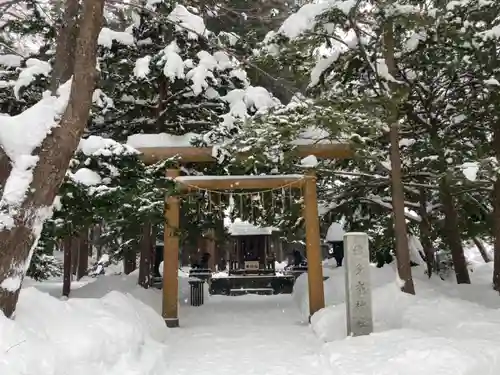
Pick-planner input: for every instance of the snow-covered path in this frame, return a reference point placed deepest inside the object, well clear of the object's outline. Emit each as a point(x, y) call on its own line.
point(244, 335)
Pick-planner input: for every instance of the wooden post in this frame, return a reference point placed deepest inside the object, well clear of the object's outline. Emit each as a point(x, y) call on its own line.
point(313, 248)
point(357, 285)
point(170, 311)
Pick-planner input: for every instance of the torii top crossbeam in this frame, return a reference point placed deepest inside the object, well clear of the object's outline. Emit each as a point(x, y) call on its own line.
point(191, 154)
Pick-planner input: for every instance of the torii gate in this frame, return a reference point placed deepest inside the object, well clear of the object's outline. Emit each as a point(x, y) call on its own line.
point(151, 155)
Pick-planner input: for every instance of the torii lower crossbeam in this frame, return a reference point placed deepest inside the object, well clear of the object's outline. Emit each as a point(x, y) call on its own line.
point(241, 182)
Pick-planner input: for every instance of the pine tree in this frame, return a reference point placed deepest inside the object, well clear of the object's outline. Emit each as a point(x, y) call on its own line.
point(348, 76)
point(184, 82)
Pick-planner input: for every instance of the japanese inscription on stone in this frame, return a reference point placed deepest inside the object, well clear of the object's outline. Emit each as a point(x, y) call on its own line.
point(357, 284)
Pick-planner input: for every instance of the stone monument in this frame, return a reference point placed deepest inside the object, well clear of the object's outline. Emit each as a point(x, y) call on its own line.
point(357, 284)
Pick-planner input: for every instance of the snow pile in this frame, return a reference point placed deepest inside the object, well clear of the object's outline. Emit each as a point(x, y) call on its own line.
point(104, 102)
point(116, 334)
point(10, 61)
point(384, 287)
point(493, 33)
point(99, 146)
point(335, 233)
point(280, 266)
point(444, 329)
point(161, 140)
point(255, 98)
point(473, 255)
point(329, 262)
point(259, 99)
point(306, 17)
point(202, 74)
point(309, 161)
point(141, 69)
point(334, 287)
point(239, 227)
point(470, 170)
point(185, 287)
point(322, 64)
point(185, 20)
point(328, 54)
point(492, 81)
point(86, 177)
point(127, 284)
point(412, 352)
point(220, 274)
point(34, 68)
point(107, 36)
point(312, 135)
point(416, 249)
point(224, 61)
point(174, 65)
point(382, 71)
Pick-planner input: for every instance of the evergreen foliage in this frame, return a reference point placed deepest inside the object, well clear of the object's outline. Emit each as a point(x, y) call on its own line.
point(194, 70)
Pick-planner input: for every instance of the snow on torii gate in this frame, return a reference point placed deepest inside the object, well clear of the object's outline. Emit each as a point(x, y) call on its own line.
point(191, 154)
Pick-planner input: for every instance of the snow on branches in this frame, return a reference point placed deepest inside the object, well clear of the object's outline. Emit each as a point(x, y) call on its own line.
point(19, 137)
point(181, 77)
point(440, 85)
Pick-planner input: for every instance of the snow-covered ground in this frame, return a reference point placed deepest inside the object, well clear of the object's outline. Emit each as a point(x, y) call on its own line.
point(244, 335)
point(112, 326)
point(101, 331)
point(116, 334)
point(444, 329)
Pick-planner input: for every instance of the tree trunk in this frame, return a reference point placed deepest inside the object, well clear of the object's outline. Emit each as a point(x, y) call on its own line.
point(75, 253)
point(5, 168)
point(146, 256)
point(398, 207)
point(496, 212)
point(451, 234)
point(67, 274)
point(66, 42)
point(210, 243)
point(481, 249)
point(425, 233)
point(496, 230)
point(83, 254)
point(17, 244)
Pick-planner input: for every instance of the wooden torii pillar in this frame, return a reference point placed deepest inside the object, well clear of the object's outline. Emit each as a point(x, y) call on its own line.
point(170, 310)
point(313, 246)
point(170, 304)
